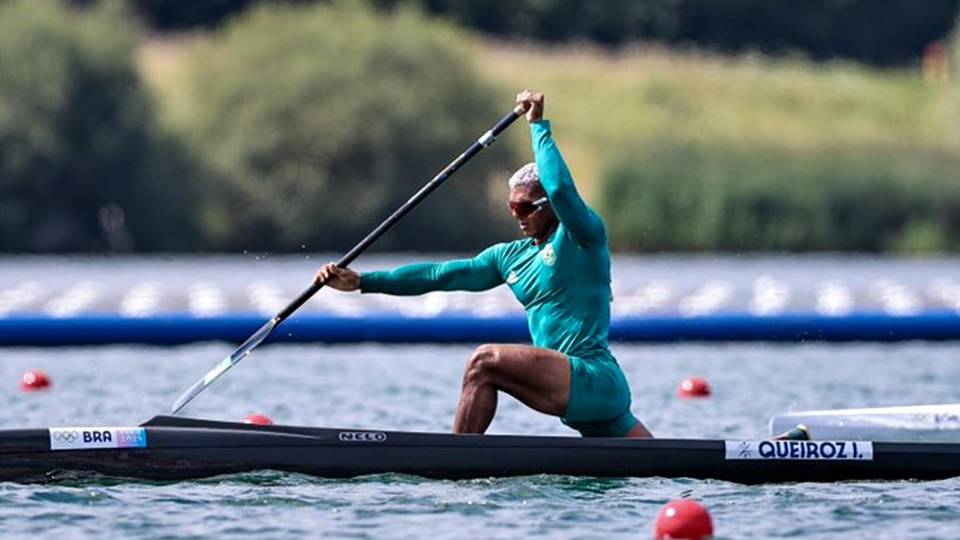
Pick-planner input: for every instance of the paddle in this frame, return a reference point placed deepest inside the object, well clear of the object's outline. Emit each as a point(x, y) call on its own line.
point(251, 343)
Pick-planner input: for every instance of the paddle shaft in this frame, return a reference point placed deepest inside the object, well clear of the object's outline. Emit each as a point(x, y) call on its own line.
point(254, 340)
point(484, 141)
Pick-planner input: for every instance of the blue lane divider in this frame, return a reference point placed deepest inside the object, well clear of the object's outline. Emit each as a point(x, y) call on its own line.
point(25, 330)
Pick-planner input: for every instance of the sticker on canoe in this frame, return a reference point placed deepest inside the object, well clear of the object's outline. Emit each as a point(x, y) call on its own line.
point(801, 450)
point(362, 436)
point(212, 375)
point(91, 438)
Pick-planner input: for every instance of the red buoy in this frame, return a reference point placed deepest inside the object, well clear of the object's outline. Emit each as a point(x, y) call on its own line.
point(258, 419)
point(693, 387)
point(34, 380)
point(683, 519)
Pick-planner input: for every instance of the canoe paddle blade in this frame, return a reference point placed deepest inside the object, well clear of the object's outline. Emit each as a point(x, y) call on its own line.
point(225, 364)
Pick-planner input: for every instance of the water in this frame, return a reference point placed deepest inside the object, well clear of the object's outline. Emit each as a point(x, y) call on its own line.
point(416, 388)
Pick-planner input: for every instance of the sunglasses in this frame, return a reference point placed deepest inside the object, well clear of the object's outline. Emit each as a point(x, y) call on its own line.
point(524, 209)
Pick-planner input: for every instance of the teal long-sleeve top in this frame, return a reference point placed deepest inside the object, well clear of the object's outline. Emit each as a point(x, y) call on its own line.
point(563, 283)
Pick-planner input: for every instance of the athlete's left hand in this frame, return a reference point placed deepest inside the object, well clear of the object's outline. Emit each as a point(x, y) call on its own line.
point(532, 104)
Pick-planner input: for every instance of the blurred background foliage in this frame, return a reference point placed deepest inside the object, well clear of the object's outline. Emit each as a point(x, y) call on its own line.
point(82, 161)
point(876, 31)
point(321, 121)
point(282, 125)
point(674, 195)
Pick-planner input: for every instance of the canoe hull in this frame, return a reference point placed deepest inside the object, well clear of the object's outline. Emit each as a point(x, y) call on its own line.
point(179, 449)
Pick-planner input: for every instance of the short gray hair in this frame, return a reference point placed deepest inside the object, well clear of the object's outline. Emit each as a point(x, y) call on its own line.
point(525, 176)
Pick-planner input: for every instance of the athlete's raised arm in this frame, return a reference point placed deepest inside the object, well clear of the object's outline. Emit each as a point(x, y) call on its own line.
point(582, 222)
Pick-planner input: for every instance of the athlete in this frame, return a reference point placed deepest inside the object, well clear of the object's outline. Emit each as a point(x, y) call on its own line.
point(560, 272)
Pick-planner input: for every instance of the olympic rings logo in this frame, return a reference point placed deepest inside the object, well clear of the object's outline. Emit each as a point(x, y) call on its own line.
point(66, 436)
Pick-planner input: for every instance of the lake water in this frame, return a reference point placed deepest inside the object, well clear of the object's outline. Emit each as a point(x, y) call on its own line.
point(416, 387)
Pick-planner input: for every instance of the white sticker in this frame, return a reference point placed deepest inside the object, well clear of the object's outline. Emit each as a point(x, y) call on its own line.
point(90, 438)
point(802, 450)
point(487, 138)
point(212, 375)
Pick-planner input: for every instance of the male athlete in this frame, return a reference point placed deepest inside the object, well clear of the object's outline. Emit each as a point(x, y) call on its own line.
point(561, 274)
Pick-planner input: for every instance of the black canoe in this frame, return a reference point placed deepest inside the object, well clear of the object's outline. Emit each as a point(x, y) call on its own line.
point(172, 448)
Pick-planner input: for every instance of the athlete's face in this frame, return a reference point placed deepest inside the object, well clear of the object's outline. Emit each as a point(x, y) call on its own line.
point(532, 210)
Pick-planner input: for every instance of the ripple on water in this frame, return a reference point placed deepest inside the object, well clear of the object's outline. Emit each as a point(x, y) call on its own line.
point(72, 496)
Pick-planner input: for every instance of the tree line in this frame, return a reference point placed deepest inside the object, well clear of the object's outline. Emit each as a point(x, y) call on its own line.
point(881, 32)
point(304, 128)
point(309, 121)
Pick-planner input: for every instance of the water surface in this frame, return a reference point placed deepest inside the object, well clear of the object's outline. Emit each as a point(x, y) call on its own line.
point(416, 388)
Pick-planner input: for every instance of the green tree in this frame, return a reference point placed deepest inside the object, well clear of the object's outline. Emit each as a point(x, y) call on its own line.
point(82, 166)
point(875, 31)
point(318, 122)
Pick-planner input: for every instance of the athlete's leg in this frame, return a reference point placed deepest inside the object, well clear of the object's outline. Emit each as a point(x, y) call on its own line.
point(539, 378)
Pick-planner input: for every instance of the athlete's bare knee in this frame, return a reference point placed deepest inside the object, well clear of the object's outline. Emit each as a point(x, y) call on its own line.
point(481, 365)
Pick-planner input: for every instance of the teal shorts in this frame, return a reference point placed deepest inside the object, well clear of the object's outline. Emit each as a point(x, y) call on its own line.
point(599, 404)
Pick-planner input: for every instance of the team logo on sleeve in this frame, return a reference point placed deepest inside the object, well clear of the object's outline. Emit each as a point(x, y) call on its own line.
point(548, 255)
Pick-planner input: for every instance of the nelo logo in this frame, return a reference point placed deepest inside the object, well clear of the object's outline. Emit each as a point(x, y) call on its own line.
point(363, 436)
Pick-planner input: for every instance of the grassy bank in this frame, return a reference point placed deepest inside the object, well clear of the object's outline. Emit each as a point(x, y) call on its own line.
point(601, 100)
point(784, 148)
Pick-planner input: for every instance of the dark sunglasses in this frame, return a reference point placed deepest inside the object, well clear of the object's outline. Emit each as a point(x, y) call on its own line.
point(524, 209)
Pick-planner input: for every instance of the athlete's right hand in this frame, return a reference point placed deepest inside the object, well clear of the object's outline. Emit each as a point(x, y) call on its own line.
point(342, 279)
